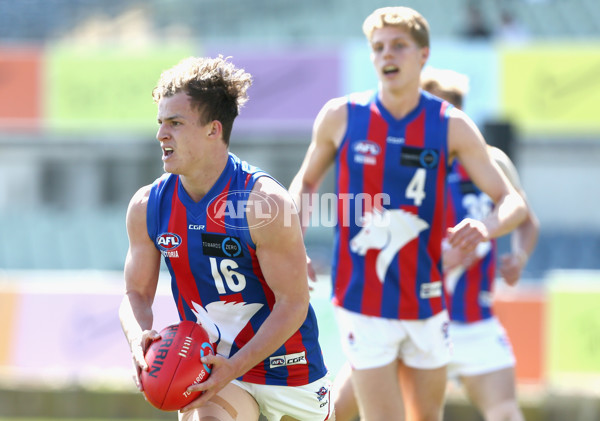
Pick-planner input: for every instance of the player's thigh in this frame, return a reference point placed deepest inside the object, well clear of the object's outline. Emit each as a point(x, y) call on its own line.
point(489, 390)
point(346, 407)
point(423, 391)
point(378, 393)
point(232, 403)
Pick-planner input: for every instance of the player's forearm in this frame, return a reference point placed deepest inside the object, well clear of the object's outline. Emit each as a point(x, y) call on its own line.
point(135, 315)
point(303, 195)
point(508, 214)
point(525, 237)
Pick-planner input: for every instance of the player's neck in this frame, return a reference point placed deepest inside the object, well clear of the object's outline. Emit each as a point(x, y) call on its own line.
point(201, 181)
point(399, 102)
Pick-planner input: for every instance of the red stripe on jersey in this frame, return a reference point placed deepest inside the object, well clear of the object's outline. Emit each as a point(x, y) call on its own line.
point(450, 222)
point(373, 185)
point(258, 272)
point(415, 131)
point(298, 375)
point(344, 262)
point(437, 232)
point(409, 254)
point(180, 307)
point(463, 173)
point(215, 214)
point(186, 284)
point(408, 260)
point(472, 280)
point(257, 373)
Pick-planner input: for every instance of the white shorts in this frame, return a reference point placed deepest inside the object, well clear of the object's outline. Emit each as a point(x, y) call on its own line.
point(371, 342)
point(311, 402)
point(479, 348)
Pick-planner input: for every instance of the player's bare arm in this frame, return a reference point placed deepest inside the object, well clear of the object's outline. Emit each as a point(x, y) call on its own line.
point(328, 130)
point(142, 265)
point(524, 237)
point(282, 258)
point(466, 143)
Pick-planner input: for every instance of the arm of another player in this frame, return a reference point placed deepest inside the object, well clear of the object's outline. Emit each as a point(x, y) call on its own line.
point(328, 129)
point(466, 143)
point(282, 258)
point(142, 265)
point(524, 238)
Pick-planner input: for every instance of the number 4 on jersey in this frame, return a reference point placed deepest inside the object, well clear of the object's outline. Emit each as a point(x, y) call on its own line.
point(416, 188)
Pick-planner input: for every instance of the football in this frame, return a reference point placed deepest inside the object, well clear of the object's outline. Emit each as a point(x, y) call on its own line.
point(174, 365)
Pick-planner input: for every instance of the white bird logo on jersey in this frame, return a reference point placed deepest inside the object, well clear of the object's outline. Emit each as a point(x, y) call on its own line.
point(388, 231)
point(223, 321)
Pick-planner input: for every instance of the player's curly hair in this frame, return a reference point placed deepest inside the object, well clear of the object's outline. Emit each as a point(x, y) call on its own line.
point(402, 17)
point(214, 85)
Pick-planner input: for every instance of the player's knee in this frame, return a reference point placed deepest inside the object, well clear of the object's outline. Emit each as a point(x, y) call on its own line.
point(210, 412)
point(505, 411)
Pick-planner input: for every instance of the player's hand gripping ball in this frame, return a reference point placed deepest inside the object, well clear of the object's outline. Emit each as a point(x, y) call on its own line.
point(174, 365)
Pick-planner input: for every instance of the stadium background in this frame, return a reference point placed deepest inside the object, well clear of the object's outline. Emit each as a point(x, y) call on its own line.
point(77, 139)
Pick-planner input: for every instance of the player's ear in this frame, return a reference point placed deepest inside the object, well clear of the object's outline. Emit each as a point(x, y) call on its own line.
point(215, 129)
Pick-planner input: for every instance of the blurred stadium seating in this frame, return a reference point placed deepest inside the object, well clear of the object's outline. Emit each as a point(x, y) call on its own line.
point(285, 20)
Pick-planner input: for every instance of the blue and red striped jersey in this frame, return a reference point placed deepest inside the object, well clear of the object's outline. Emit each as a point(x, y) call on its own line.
point(391, 181)
point(216, 278)
point(469, 292)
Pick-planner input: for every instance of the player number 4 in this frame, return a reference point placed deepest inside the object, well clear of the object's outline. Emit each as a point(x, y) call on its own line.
point(235, 281)
point(416, 188)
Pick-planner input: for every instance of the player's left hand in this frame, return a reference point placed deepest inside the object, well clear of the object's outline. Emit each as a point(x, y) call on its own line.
point(467, 234)
point(222, 373)
point(511, 266)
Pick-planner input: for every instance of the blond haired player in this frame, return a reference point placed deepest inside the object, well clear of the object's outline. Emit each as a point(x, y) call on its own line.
point(392, 147)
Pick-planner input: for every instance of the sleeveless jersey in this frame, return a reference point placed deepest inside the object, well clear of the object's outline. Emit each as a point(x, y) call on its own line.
point(469, 293)
point(391, 181)
point(216, 278)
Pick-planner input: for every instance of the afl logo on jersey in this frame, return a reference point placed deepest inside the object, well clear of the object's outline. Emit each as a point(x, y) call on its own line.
point(168, 241)
point(366, 147)
point(365, 152)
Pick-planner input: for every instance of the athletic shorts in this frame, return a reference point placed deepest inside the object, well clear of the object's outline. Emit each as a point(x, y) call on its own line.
point(371, 342)
point(479, 348)
point(311, 402)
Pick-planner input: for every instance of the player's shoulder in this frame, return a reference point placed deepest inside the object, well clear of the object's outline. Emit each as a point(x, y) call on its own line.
point(266, 187)
point(341, 103)
point(139, 201)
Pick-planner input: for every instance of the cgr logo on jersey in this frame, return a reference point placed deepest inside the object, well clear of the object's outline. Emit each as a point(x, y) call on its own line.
point(365, 152)
point(289, 359)
point(220, 245)
point(167, 243)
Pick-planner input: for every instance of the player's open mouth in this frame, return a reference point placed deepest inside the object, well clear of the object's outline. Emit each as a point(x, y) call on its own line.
point(167, 152)
point(390, 70)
